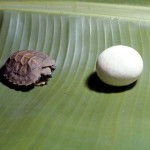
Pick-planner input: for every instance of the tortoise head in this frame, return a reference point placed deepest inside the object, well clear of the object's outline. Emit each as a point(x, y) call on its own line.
point(49, 63)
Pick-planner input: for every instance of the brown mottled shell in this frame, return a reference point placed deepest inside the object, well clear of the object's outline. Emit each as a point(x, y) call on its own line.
point(26, 67)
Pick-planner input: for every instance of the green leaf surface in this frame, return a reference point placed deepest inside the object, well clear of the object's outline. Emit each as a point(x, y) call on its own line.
point(75, 110)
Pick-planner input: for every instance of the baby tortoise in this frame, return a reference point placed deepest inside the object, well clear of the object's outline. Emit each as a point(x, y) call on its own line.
point(27, 67)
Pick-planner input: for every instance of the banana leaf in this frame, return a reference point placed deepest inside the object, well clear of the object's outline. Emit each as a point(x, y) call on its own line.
point(75, 110)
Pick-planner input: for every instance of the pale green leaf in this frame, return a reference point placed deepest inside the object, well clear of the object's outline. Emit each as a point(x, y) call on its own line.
point(75, 111)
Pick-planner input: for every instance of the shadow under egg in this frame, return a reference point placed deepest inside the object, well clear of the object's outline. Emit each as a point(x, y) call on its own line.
point(94, 83)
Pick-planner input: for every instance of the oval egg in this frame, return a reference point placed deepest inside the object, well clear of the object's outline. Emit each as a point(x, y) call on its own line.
point(119, 65)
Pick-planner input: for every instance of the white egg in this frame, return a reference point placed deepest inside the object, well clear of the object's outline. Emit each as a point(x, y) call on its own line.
point(119, 65)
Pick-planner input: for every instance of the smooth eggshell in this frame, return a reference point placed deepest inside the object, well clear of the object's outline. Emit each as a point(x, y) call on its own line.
point(119, 65)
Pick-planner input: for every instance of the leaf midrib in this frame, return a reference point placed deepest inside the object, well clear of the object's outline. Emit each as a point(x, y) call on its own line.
point(80, 9)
